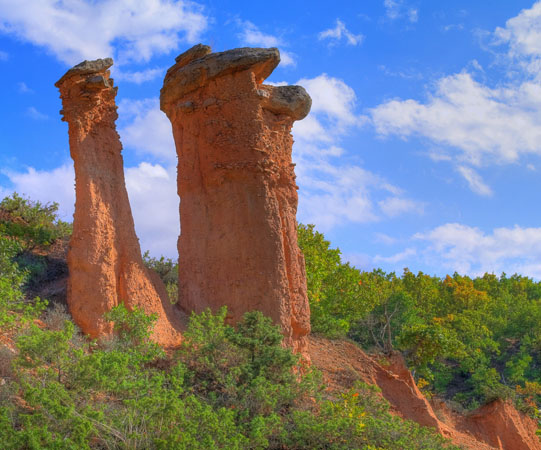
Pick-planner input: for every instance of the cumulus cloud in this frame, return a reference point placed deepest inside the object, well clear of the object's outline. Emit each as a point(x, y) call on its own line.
point(522, 34)
point(251, 35)
point(56, 185)
point(340, 32)
point(332, 192)
point(74, 30)
point(469, 250)
point(483, 124)
point(152, 189)
point(479, 124)
point(333, 99)
point(146, 129)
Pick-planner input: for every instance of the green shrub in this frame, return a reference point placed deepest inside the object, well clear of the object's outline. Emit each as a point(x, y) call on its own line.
point(226, 387)
point(31, 222)
point(167, 270)
point(14, 307)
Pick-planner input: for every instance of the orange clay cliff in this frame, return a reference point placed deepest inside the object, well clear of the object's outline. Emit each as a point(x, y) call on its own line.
point(104, 257)
point(236, 181)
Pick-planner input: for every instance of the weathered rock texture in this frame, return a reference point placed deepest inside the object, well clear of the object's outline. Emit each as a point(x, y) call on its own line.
point(238, 243)
point(104, 256)
point(497, 425)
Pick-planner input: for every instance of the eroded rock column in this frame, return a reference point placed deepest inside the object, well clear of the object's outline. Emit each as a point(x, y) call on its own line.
point(104, 257)
point(238, 243)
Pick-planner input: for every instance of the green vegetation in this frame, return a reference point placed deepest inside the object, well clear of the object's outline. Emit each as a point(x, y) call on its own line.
point(469, 340)
point(32, 223)
point(167, 269)
point(225, 388)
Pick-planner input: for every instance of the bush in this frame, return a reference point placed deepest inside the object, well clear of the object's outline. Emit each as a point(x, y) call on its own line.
point(14, 308)
point(227, 387)
point(31, 222)
point(167, 270)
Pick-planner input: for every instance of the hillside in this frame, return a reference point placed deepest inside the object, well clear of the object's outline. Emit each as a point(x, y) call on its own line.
point(495, 425)
point(342, 363)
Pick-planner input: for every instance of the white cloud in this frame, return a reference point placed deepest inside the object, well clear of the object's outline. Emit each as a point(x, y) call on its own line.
point(523, 36)
point(340, 32)
point(453, 26)
point(407, 74)
point(56, 185)
point(152, 190)
point(146, 129)
point(395, 206)
point(413, 15)
point(475, 181)
point(3, 56)
point(395, 9)
point(475, 123)
point(24, 89)
point(33, 113)
point(333, 99)
point(154, 201)
point(469, 250)
point(74, 30)
point(138, 77)
point(253, 36)
point(331, 195)
point(484, 124)
point(384, 238)
point(361, 261)
point(333, 192)
point(396, 258)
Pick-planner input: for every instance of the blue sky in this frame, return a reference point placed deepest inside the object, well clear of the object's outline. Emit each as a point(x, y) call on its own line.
point(422, 149)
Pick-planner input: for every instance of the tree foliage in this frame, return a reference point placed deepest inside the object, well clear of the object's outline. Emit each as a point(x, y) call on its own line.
point(471, 339)
point(31, 222)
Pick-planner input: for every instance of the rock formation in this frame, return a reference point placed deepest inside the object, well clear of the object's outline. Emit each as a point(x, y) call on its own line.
point(497, 425)
point(238, 243)
point(104, 256)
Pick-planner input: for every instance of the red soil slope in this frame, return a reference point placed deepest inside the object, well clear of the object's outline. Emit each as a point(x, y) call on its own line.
point(497, 425)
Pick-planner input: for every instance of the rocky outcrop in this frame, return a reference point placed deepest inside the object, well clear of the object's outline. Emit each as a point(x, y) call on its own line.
point(236, 181)
point(104, 257)
point(497, 425)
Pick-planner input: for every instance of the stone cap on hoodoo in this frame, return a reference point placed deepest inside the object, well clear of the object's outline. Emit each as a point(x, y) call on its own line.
point(293, 101)
point(195, 67)
point(86, 68)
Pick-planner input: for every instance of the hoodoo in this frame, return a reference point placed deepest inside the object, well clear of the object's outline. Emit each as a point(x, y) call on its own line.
point(104, 257)
point(236, 181)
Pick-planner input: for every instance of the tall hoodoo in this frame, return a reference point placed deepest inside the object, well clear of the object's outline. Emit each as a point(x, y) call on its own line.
point(104, 257)
point(236, 181)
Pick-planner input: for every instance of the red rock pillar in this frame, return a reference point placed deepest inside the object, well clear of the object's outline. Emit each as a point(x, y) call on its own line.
point(238, 243)
point(104, 257)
